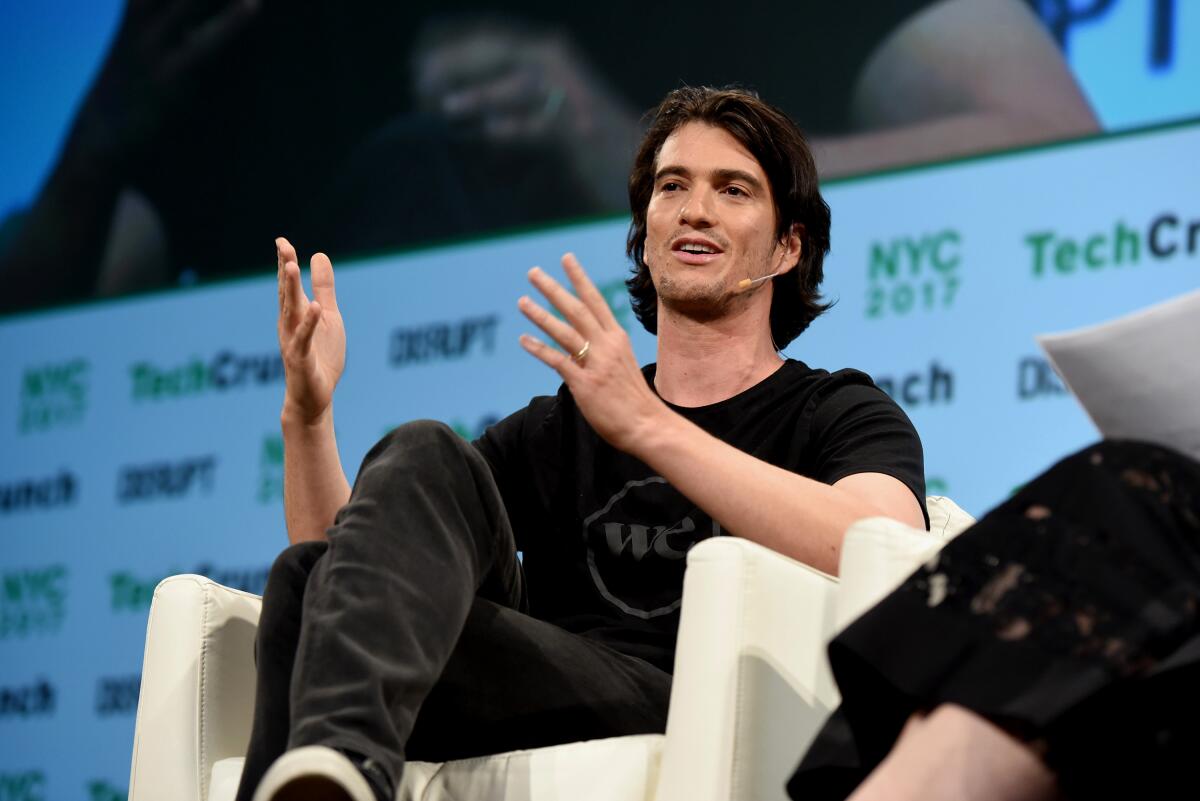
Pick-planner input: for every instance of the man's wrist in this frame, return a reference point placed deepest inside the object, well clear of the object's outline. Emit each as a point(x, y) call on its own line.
point(293, 419)
point(651, 431)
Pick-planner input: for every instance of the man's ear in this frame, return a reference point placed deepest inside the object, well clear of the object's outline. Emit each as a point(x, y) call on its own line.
point(789, 249)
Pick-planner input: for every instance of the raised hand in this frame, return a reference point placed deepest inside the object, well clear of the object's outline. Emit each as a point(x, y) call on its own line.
point(312, 338)
point(598, 364)
point(509, 83)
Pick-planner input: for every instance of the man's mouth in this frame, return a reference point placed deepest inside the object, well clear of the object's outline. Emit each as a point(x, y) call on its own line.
point(693, 250)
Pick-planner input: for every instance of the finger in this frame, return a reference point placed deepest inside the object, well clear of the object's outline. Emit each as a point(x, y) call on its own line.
point(514, 128)
point(587, 292)
point(567, 337)
point(296, 302)
point(320, 272)
point(578, 315)
point(556, 360)
point(302, 342)
point(284, 252)
point(463, 59)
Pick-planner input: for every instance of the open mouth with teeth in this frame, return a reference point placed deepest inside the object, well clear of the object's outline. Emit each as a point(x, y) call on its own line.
point(692, 251)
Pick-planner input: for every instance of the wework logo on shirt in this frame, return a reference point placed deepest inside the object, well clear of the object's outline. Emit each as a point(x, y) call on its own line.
point(637, 543)
point(53, 395)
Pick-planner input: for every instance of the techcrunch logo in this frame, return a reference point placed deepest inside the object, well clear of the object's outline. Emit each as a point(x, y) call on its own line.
point(33, 600)
point(926, 387)
point(1167, 237)
point(28, 700)
point(133, 593)
point(39, 493)
point(53, 395)
point(270, 462)
point(616, 295)
point(27, 785)
point(907, 275)
point(101, 790)
point(225, 371)
point(442, 341)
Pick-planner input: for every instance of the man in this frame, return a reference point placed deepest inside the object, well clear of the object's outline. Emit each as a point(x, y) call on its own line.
point(401, 623)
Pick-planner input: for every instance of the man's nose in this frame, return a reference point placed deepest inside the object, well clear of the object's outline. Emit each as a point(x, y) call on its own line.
point(696, 211)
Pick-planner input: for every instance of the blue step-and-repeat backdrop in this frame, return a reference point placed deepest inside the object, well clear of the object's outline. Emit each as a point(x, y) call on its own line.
point(139, 436)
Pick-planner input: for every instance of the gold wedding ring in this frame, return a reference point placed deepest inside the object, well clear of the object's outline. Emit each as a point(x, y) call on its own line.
point(582, 353)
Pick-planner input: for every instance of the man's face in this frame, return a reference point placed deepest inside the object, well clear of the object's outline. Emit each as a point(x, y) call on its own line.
point(710, 223)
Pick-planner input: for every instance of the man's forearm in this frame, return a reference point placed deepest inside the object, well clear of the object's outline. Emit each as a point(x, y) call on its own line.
point(789, 513)
point(314, 483)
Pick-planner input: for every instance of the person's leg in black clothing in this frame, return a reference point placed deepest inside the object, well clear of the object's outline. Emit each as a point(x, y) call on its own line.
point(381, 608)
point(515, 682)
point(1069, 617)
point(371, 618)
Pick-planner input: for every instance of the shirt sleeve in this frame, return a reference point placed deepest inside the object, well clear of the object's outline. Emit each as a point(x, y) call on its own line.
point(857, 428)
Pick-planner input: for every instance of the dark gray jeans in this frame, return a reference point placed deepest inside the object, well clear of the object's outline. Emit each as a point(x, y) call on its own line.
point(406, 633)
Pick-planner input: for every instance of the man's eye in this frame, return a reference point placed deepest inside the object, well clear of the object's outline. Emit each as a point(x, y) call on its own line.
point(669, 186)
point(736, 191)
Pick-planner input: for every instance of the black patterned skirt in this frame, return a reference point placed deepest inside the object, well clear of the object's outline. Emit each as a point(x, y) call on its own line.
point(1069, 616)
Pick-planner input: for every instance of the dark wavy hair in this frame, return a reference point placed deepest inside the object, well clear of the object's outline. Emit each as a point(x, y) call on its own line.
point(783, 153)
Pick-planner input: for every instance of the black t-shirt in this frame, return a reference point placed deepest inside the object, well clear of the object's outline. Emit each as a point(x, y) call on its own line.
point(605, 538)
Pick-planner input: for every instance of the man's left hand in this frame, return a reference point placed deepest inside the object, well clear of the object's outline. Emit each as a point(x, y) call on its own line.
point(596, 361)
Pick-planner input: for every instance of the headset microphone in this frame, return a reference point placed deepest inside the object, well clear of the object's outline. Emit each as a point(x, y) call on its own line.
point(746, 283)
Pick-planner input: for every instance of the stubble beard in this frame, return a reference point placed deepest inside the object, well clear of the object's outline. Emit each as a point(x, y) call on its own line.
point(695, 300)
point(705, 301)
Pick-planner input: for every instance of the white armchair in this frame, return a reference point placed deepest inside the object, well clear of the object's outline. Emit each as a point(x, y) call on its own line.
point(751, 685)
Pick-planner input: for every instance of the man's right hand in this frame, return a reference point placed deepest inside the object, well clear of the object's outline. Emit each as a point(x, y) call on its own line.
point(312, 339)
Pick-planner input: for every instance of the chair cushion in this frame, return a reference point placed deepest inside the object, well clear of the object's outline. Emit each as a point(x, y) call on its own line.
point(613, 769)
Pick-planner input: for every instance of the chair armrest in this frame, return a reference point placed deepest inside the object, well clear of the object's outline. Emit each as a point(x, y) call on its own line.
point(197, 697)
point(878, 553)
point(752, 685)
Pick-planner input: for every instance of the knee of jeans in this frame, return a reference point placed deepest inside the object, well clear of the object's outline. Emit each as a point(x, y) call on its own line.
point(419, 434)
